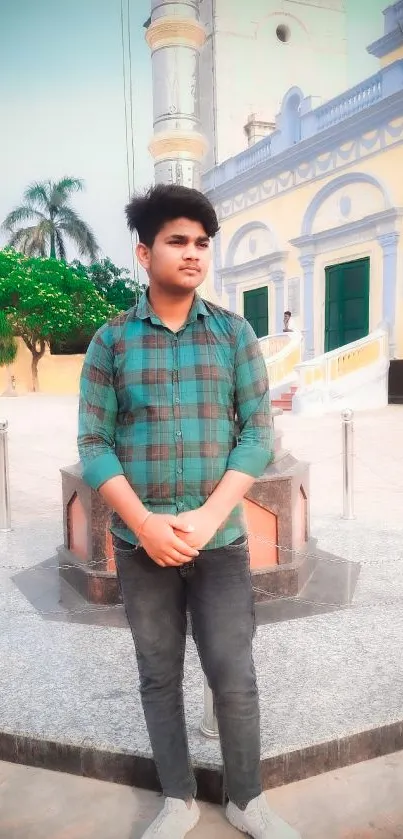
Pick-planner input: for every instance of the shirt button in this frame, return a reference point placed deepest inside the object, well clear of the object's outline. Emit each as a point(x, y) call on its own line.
point(179, 434)
point(180, 505)
point(177, 400)
point(179, 470)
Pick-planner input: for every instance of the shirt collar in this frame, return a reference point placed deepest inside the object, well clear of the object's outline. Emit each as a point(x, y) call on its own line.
point(144, 310)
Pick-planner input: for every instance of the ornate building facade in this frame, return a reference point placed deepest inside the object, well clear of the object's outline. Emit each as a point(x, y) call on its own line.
point(310, 212)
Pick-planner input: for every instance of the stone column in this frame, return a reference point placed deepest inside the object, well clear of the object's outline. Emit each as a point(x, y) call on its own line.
point(277, 277)
point(231, 291)
point(175, 37)
point(389, 243)
point(307, 264)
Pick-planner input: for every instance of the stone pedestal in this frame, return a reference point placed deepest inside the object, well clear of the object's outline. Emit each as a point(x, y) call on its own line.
point(86, 557)
point(277, 516)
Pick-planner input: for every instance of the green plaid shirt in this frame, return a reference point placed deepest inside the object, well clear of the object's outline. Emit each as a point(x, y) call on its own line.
point(174, 411)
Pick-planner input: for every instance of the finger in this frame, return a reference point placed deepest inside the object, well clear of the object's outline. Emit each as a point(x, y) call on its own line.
point(183, 548)
point(178, 525)
point(179, 559)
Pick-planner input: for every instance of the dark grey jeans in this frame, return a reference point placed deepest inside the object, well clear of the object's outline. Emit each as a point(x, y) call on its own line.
point(216, 589)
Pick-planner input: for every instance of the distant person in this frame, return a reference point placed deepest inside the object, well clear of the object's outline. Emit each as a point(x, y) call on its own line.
point(161, 388)
point(288, 323)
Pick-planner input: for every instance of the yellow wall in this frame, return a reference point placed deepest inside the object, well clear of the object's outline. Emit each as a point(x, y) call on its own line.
point(285, 212)
point(58, 374)
point(396, 55)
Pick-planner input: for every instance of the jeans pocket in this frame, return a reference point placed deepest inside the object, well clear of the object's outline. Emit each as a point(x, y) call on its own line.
point(121, 546)
point(239, 545)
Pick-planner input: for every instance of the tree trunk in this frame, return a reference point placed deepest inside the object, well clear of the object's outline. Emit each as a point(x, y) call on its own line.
point(52, 254)
point(37, 353)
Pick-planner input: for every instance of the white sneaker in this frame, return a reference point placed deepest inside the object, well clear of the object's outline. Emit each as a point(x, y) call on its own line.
point(174, 821)
point(259, 821)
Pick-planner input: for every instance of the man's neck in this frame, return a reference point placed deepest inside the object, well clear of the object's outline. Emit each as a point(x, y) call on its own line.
point(172, 311)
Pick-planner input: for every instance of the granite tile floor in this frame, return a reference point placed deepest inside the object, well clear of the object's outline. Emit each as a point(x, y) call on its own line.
point(323, 677)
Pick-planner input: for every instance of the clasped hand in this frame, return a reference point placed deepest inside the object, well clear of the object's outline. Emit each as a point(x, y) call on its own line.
point(175, 540)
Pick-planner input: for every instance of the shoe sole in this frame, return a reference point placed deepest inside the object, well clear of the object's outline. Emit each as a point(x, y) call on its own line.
point(239, 827)
point(233, 820)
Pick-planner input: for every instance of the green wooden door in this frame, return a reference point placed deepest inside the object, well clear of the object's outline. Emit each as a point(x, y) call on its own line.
point(256, 310)
point(347, 303)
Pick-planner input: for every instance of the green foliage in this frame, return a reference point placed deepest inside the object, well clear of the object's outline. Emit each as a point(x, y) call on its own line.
point(115, 284)
point(45, 299)
point(46, 207)
point(8, 344)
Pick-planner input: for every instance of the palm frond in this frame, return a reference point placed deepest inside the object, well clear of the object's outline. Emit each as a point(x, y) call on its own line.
point(38, 193)
point(61, 190)
point(31, 241)
point(23, 213)
point(77, 230)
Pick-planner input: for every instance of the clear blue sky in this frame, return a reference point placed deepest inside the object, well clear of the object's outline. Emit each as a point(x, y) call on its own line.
point(62, 106)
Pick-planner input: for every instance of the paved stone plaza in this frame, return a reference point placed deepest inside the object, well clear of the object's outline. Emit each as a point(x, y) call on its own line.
point(69, 674)
point(358, 802)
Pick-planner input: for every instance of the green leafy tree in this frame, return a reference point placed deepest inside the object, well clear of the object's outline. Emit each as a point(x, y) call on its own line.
point(115, 284)
point(45, 298)
point(8, 344)
point(47, 206)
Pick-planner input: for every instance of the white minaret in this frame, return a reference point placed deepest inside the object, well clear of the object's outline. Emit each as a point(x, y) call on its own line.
point(176, 37)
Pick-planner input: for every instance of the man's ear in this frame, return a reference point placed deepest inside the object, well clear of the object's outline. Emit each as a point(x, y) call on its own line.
point(143, 255)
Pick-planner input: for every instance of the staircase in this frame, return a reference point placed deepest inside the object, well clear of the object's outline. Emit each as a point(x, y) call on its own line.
point(284, 401)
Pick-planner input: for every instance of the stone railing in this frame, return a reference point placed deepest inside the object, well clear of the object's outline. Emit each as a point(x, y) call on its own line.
point(253, 156)
point(356, 372)
point(356, 99)
point(282, 353)
point(383, 84)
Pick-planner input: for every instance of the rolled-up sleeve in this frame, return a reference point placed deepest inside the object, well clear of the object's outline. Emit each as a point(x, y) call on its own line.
point(255, 446)
point(97, 414)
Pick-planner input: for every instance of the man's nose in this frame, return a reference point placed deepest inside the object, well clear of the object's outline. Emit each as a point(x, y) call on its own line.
point(190, 251)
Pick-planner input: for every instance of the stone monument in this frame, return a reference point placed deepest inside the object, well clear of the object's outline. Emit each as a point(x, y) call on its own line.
point(277, 517)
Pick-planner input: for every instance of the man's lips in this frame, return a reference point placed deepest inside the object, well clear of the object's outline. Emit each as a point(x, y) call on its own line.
point(191, 269)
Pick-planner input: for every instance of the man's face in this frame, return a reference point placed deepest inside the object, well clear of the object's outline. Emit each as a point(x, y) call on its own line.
point(179, 259)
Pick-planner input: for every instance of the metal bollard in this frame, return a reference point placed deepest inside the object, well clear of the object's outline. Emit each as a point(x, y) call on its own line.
point(347, 417)
point(5, 513)
point(209, 725)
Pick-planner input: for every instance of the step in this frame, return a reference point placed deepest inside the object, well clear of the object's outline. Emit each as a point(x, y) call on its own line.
point(284, 404)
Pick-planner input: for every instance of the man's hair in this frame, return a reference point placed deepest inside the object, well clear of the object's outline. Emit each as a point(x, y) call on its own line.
point(165, 202)
point(288, 313)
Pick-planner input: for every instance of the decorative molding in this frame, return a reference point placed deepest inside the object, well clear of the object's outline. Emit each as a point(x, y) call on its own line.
point(277, 277)
point(240, 234)
point(354, 231)
point(328, 190)
point(258, 267)
point(176, 144)
point(174, 31)
point(387, 44)
point(307, 261)
point(389, 241)
point(309, 170)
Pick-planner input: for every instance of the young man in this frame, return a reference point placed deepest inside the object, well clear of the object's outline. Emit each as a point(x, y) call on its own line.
point(174, 428)
point(288, 322)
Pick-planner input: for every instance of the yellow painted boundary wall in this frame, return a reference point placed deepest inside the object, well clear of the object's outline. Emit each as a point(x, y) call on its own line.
point(58, 374)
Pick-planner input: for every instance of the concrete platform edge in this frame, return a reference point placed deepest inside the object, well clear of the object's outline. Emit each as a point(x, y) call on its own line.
point(139, 771)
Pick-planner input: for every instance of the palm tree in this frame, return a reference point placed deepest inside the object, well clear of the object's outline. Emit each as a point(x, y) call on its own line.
point(46, 204)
